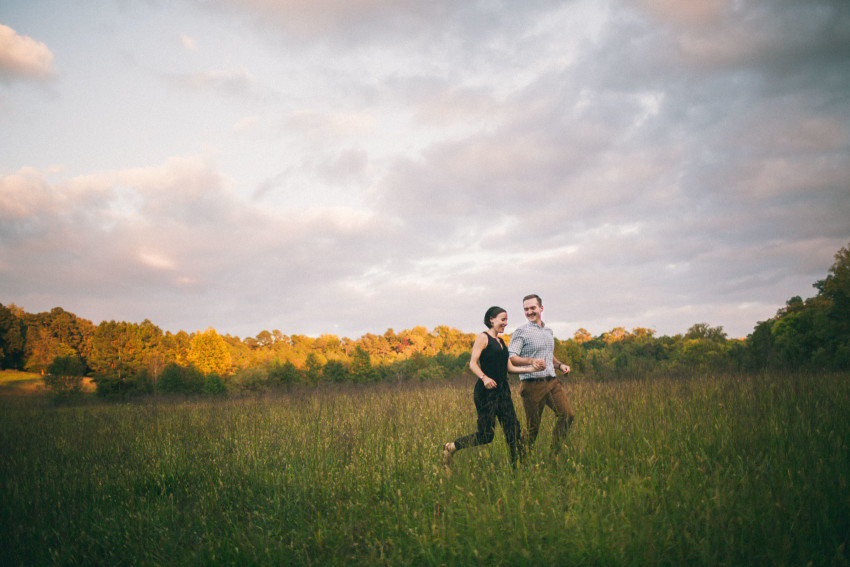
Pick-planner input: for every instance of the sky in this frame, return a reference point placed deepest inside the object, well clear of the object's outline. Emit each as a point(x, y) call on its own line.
point(351, 166)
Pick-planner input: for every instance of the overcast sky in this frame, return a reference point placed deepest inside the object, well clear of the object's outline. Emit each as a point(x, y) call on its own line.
point(342, 166)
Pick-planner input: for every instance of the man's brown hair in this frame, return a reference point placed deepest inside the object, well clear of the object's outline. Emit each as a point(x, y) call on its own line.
point(533, 296)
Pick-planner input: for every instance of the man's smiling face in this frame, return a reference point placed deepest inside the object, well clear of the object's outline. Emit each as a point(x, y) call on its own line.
point(532, 310)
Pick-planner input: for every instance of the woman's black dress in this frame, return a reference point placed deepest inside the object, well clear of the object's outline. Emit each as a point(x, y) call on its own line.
point(495, 403)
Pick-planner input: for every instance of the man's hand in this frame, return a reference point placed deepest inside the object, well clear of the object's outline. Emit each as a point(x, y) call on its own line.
point(564, 368)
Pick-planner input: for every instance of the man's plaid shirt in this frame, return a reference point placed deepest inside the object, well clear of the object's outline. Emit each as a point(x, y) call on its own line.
point(531, 341)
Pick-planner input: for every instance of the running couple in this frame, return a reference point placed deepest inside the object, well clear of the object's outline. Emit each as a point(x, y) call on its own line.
point(531, 355)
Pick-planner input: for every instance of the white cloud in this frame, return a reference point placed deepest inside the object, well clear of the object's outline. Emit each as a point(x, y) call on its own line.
point(233, 82)
point(328, 126)
point(23, 57)
point(21, 194)
point(310, 17)
point(246, 124)
point(188, 43)
point(156, 260)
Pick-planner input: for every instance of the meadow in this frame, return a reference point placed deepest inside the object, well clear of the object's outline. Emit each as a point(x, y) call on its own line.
point(709, 470)
point(13, 382)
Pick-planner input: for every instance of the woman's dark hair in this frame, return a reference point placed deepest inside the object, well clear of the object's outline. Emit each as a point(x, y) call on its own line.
point(492, 313)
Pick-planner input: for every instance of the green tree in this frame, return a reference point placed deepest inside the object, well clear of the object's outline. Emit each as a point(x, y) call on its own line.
point(814, 333)
point(335, 371)
point(835, 291)
point(120, 351)
point(43, 347)
point(214, 386)
point(283, 372)
point(692, 355)
point(312, 368)
point(836, 288)
point(64, 376)
point(52, 334)
point(178, 379)
point(361, 366)
point(760, 346)
point(424, 368)
point(797, 332)
point(12, 339)
point(706, 332)
point(570, 352)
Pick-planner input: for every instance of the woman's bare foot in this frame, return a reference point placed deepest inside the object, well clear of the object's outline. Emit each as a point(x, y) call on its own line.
point(448, 452)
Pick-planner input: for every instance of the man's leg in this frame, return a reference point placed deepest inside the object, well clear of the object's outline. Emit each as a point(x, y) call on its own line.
point(533, 401)
point(558, 400)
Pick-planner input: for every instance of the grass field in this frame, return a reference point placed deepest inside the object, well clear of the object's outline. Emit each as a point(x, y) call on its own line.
point(16, 383)
point(13, 382)
point(709, 471)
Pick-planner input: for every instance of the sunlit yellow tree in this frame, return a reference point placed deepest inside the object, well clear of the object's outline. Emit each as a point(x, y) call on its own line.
point(615, 335)
point(208, 352)
point(582, 336)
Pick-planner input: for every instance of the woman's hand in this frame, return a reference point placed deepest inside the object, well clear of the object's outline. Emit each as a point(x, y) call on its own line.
point(539, 364)
point(489, 383)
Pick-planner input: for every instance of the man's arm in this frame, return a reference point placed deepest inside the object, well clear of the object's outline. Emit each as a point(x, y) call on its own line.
point(565, 368)
point(517, 343)
point(515, 348)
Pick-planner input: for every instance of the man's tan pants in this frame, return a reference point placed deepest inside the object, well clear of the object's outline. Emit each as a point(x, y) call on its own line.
point(537, 395)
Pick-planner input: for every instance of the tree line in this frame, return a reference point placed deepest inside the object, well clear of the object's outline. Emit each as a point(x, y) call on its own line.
point(125, 359)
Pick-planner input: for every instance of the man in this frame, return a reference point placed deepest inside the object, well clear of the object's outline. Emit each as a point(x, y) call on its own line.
point(534, 341)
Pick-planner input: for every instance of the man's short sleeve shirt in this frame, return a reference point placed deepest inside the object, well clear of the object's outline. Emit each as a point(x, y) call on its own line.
point(531, 341)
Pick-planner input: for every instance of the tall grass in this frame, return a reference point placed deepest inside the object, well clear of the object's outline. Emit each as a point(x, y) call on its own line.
point(711, 470)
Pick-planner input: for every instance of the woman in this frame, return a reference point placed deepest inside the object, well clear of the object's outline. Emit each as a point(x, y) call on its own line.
point(492, 394)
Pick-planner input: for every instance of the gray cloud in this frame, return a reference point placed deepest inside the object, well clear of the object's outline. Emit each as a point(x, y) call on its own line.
point(652, 163)
point(688, 175)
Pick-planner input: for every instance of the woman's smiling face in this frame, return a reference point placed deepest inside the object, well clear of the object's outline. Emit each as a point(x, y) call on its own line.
point(500, 321)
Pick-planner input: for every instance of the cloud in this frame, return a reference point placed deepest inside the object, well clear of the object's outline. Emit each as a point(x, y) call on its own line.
point(246, 124)
point(146, 237)
point(188, 43)
point(309, 17)
point(158, 261)
point(237, 81)
point(632, 184)
point(22, 57)
point(21, 194)
point(775, 34)
point(345, 20)
point(379, 164)
point(432, 29)
point(326, 126)
point(688, 13)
